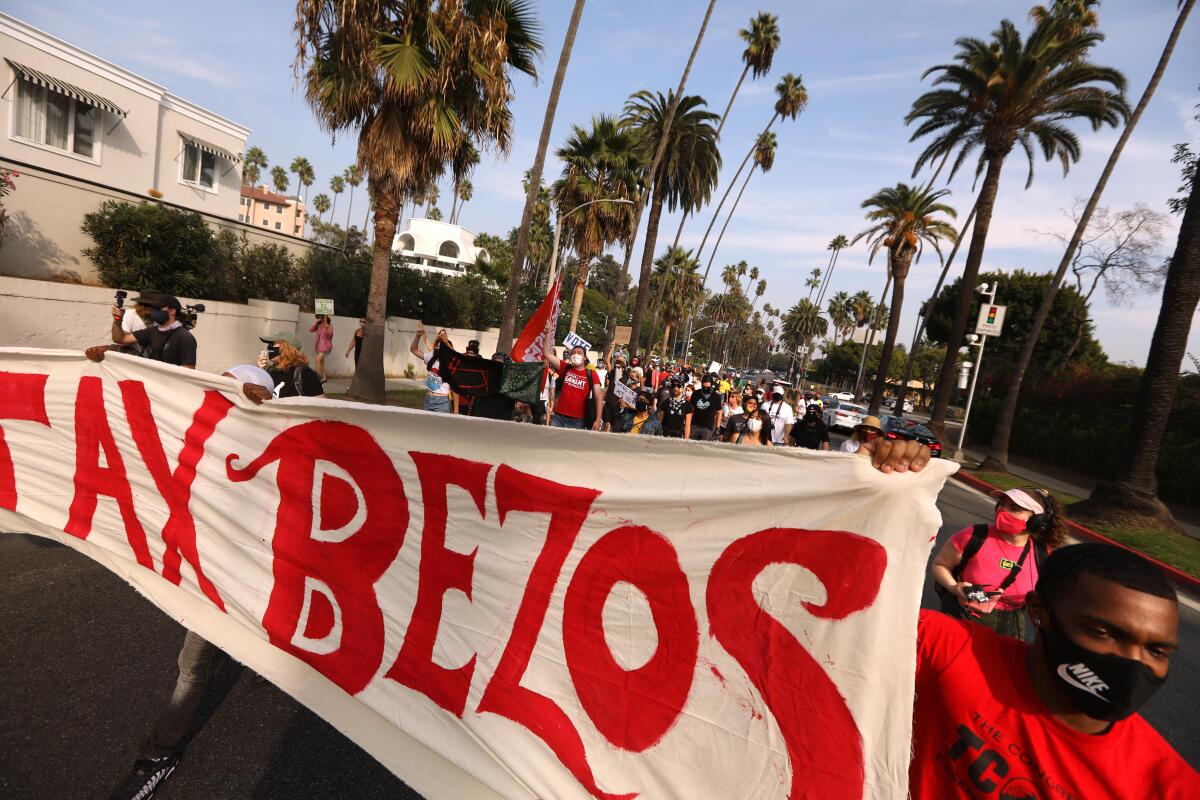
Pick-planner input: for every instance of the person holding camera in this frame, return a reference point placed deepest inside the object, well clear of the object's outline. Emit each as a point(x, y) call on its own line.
point(288, 366)
point(166, 340)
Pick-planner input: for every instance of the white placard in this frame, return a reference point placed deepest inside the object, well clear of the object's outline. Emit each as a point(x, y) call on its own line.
point(573, 339)
point(625, 393)
point(323, 305)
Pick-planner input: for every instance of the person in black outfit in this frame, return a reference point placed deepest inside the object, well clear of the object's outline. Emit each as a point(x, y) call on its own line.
point(166, 341)
point(673, 412)
point(811, 432)
point(496, 406)
point(706, 411)
point(288, 366)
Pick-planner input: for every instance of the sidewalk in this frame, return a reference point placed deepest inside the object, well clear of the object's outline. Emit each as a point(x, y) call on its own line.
point(1080, 486)
point(342, 385)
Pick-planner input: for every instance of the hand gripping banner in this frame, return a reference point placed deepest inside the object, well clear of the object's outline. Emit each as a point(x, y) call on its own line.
point(496, 610)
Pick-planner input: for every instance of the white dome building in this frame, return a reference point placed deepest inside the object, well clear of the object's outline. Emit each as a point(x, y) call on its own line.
point(438, 247)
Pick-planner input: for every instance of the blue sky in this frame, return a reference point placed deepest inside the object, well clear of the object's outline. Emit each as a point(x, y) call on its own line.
point(860, 59)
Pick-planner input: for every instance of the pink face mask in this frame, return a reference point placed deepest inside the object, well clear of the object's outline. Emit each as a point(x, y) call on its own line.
point(1009, 523)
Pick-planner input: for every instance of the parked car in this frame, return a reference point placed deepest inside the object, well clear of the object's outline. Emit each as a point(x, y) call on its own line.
point(845, 417)
point(890, 402)
point(900, 428)
point(845, 397)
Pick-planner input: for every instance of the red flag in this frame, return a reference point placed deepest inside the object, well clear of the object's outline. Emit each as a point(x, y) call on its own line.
point(530, 344)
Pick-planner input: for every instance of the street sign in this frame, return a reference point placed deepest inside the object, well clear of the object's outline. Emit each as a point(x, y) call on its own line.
point(991, 320)
point(622, 334)
point(323, 306)
point(802, 350)
point(575, 340)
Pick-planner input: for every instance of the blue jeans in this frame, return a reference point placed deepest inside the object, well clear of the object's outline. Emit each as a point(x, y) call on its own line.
point(438, 403)
point(559, 421)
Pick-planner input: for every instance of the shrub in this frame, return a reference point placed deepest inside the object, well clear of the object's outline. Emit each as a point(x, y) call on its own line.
point(148, 245)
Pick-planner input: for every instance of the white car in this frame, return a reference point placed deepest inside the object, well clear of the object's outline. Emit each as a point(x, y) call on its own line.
point(845, 417)
point(844, 397)
point(891, 403)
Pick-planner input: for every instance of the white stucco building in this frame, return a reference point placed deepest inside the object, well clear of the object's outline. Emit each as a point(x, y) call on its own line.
point(439, 247)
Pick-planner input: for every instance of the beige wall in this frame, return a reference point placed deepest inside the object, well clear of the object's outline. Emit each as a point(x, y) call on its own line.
point(222, 200)
point(44, 240)
point(63, 316)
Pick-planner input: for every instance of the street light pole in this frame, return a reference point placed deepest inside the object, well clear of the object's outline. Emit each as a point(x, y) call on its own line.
point(962, 433)
point(558, 218)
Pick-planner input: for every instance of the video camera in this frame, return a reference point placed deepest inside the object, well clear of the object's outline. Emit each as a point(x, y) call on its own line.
point(188, 317)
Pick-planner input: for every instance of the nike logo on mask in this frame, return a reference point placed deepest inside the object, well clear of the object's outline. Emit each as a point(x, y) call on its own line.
point(1079, 676)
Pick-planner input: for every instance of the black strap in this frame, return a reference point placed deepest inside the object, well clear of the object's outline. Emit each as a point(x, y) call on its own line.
point(1016, 570)
point(978, 536)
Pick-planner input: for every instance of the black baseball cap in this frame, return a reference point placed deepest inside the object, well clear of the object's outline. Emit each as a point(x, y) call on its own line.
point(159, 300)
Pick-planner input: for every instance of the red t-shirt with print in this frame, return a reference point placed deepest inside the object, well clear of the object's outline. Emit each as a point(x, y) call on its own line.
point(980, 731)
point(573, 396)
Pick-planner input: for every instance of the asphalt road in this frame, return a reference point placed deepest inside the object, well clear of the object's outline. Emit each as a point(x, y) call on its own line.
point(86, 663)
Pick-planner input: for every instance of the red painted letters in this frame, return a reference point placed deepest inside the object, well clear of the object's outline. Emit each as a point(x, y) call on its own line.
point(179, 531)
point(441, 569)
point(22, 397)
point(823, 743)
point(93, 435)
point(348, 568)
point(632, 708)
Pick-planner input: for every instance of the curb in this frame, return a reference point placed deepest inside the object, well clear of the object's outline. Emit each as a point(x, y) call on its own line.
point(1190, 582)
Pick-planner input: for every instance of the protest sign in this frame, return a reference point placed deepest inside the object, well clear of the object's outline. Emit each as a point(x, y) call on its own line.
point(714, 367)
point(625, 393)
point(323, 306)
point(622, 334)
point(497, 610)
point(573, 339)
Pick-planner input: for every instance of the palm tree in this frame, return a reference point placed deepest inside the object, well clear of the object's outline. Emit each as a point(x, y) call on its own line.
point(413, 81)
point(790, 99)
point(861, 306)
point(534, 187)
point(434, 214)
point(802, 323)
point(685, 293)
point(598, 164)
point(998, 452)
point(337, 185)
point(466, 190)
point(321, 204)
point(353, 177)
point(997, 95)
point(687, 170)
point(466, 158)
point(836, 245)
point(302, 169)
point(839, 313)
point(762, 40)
point(431, 196)
point(904, 222)
point(813, 282)
point(1133, 492)
point(764, 159)
point(280, 179)
point(253, 164)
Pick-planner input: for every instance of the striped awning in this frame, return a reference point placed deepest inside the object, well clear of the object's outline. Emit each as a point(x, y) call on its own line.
point(207, 147)
point(69, 89)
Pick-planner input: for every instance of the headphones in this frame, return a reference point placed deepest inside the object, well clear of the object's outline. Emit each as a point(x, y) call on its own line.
point(1039, 524)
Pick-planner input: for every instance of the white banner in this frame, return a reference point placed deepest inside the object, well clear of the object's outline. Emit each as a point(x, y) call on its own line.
point(494, 609)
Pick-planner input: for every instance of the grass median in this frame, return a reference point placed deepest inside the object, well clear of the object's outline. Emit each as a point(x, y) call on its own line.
point(1170, 547)
point(405, 398)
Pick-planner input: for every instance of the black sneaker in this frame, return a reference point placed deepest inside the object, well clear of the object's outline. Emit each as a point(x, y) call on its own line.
point(147, 775)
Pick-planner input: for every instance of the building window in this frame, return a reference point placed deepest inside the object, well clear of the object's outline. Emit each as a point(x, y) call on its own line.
point(278, 226)
point(266, 206)
point(407, 243)
point(265, 223)
point(46, 117)
point(449, 249)
point(199, 167)
point(297, 230)
point(278, 209)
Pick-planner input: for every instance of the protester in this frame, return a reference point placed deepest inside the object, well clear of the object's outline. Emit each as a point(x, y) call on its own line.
point(494, 406)
point(751, 426)
point(781, 416)
point(642, 420)
point(288, 366)
point(867, 430)
point(729, 409)
point(356, 341)
point(674, 411)
point(811, 432)
point(465, 402)
point(323, 327)
point(617, 373)
point(167, 341)
point(438, 397)
point(705, 418)
point(579, 402)
point(135, 319)
point(1002, 557)
point(1056, 718)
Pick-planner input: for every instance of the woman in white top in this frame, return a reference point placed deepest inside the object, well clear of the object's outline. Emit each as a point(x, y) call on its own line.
point(438, 397)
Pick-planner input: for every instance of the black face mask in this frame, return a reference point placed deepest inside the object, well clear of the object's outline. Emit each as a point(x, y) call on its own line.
point(641, 405)
point(1101, 685)
point(706, 389)
point(272, 351)
point(159, 316)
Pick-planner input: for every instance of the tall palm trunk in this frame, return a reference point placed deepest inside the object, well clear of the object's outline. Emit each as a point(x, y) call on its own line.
point(869, 339)
point(349, 207)
point(966, 292)
point(900, 272)
point(997, 458)
point(825, 281)
point(728, 189)
point(333, 210)
point(659, 193)
point(733, 208)
point(508, 317)
point(732, 97)
point(368, 382)
point(580, 284)
point(666, 337)
point(923, 314)
point(1134, 490)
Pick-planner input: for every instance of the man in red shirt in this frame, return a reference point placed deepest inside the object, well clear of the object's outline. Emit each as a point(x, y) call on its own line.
point(997, 718)
point(580, 398)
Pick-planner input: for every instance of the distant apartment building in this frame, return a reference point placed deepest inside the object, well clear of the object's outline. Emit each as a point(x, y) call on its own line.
point(263, 208)
point(438, 247)
point(82, 130)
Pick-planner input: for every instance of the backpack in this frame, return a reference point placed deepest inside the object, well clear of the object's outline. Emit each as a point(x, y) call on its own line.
point(949, 602)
